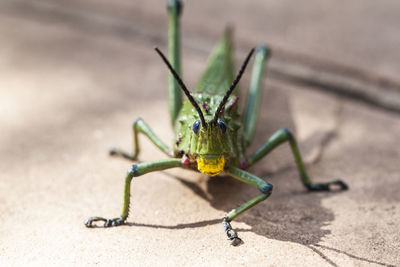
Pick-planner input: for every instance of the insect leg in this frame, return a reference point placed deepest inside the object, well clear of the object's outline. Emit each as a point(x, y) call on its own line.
point(280, 137)
point(254, 95)
point(134, 171)
point(174, 49)
point(250, 179)
point(139, 126)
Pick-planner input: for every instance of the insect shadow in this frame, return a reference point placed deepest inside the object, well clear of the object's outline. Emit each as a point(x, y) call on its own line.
point(291, 213)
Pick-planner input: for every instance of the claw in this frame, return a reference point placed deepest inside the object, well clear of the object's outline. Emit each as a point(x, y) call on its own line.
point(114, 222)
point(89, 222)
point(343, 185)
point(121, 153)
point(319, 187)
point(232, 235)
point(327, 186)
point(236, 241)
point(107, 222)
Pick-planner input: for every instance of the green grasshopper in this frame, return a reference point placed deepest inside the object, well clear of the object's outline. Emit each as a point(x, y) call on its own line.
point(210, 134)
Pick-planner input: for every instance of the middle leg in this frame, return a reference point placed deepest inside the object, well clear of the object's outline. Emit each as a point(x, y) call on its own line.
point(284, 135)
point(139, 126)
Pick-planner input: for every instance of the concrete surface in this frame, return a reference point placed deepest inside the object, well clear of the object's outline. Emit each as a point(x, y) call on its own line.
point(70, 88)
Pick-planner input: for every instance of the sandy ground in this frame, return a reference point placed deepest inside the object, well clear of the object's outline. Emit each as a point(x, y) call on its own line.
point(70, 87)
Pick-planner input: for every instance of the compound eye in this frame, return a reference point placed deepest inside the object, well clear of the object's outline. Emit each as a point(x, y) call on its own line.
point(196, 126)
point(222, 125)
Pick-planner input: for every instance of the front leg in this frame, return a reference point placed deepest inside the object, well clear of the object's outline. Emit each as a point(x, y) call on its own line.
point(277, 139)
point(251, 179)
point(134, 171)
point(139, 126)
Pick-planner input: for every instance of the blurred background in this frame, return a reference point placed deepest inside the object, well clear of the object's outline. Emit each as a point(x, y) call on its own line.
point(74, 75)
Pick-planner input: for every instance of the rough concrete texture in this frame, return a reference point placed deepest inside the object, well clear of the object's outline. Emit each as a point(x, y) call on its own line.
point(70, 87)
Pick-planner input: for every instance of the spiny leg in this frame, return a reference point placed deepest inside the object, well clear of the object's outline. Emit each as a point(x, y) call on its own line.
point(277, 139)
point(254, 95)
point(174, 92)
point(250, 179)
point(139, 126)
point(134, 171)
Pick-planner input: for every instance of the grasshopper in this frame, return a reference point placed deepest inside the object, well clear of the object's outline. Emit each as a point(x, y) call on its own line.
point(210, 134)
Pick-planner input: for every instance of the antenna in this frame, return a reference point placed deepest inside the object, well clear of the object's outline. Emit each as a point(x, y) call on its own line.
point(233, 85)
point(182, 85)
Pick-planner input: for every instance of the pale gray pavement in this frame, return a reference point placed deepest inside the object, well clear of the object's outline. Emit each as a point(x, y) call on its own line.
point(74, 75)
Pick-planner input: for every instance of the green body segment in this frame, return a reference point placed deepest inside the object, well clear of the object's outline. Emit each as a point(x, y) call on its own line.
point(219, 74)
point(210, 142)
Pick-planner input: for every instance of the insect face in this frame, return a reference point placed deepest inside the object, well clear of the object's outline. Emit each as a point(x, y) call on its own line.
point(210, 147)
point(210, 155)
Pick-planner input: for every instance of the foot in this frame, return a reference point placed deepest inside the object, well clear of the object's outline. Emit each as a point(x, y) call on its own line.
point(121, 153)
point(107, 222)
point(232, 235)
point(327, 186)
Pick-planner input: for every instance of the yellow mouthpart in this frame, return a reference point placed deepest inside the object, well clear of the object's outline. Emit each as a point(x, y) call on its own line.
point(210, 165)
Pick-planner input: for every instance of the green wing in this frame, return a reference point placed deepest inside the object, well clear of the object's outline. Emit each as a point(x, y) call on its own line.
point(219, 73)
